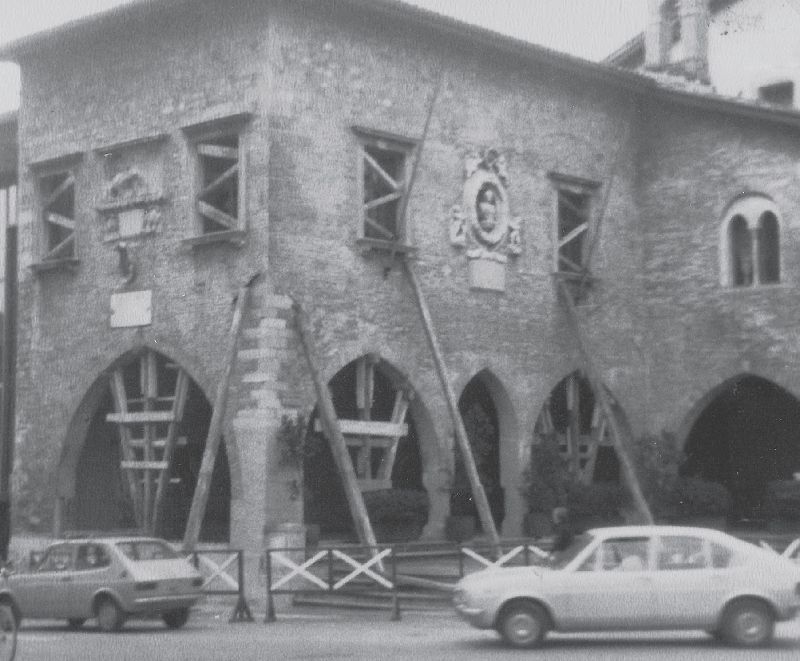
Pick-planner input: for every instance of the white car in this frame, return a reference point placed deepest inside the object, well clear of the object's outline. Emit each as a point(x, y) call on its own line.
point(638, 578)
point(108, 578)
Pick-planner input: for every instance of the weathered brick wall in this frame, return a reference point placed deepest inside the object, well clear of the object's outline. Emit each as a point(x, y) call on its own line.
point(700, 332)
point(662, 329)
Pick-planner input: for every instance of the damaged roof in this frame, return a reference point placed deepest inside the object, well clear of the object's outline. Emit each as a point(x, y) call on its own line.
point(646, 86)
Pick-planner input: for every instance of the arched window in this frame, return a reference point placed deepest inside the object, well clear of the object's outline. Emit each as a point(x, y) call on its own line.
point(750, 243)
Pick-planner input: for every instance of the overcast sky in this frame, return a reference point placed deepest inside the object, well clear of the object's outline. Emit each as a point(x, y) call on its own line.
point(586, 28)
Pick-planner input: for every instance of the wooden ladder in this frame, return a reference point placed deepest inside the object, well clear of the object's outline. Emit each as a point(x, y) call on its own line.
point(147, 448)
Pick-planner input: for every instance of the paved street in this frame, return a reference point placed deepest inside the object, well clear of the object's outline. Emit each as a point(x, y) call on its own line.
point(315, 634)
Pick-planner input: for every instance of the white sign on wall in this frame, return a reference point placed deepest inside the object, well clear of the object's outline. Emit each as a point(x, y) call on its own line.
point(132, 308)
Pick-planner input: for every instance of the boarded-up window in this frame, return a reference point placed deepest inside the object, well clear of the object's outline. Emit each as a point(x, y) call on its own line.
point(219, 205)
point(573, 223)
point(57, 203)
point(384, 165)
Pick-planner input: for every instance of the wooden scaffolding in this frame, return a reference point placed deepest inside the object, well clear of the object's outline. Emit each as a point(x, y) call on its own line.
point(147, 411)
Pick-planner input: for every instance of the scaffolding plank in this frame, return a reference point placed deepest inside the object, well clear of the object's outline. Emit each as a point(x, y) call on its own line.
point(141, 417)
point(369, 428)
point(144, 465)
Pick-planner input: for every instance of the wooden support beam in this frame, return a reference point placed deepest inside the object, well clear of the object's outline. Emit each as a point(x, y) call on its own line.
point(201, 490)
point(620, 442)
point(218, 151)
point(220, 180)
point(178, 405)
point(145, 465)
point(215, 214)
point(61, 221)
point(368, 428)
point(59, 190)
point(380, 171)
point(478, 492)
point(141, 417)
point(333, 433)
point(121, 404)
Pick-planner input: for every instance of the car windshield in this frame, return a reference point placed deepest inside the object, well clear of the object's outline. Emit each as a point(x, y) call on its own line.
point(562, 558)
point(147, 550)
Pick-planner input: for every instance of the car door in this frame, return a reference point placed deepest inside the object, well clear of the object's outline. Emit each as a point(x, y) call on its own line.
point(46, 592)
point(92, 567)
point(691, 580)
point(613, 588)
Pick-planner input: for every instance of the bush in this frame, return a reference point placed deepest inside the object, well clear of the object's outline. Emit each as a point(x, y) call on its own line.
point(397, 514)
point(695, 496)
point(546, 478)
point(396, 505)
point(784, 499)
point(600, 500)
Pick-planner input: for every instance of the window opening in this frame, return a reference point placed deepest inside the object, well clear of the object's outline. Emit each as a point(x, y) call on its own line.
point(752, 249)
point(769, 253)
point(58, 213)
point(218, 203)
point(574, 212)
point(742, 252)
point(383, 182)
point(779, 94)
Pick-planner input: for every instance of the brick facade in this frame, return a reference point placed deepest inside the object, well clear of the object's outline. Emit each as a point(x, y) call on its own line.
point(664, 331)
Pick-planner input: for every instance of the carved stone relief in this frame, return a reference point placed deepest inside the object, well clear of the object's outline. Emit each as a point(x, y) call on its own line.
point(131, 202)
point(482, 224)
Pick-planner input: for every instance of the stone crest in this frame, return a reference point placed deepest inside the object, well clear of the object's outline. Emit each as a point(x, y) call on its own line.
point(483, 224)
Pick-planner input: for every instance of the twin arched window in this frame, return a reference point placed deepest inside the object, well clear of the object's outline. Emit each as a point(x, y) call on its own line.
point(750, 254)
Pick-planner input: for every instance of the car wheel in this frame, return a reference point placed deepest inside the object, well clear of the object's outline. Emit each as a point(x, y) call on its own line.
point(9, 622)
point(177, 618)
point(523, 624)
point(109, 615)
point(75, 623)
point(748, 623)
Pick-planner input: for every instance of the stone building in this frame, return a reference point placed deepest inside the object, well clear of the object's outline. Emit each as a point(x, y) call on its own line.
point(169, 151)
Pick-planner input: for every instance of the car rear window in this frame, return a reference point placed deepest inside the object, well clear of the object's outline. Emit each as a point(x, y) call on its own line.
point(147, 550)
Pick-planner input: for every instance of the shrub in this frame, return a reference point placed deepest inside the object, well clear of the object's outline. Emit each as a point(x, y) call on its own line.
point(546, 478)
point(695, 496)
point(599, 500)
point(784, 499)
point(396, 505)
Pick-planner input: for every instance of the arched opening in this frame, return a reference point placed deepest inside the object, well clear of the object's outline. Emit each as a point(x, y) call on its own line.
point(769, 262)
point(482, 424)
point(576, 422)
point(744, 438)
point(741, 249)
point(366, 389)
point(103, 498)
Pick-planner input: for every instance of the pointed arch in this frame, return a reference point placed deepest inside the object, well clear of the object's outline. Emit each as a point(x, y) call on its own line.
point(92, 487)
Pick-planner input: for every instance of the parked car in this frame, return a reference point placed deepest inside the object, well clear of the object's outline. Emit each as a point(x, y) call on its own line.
point(637, 578)
point(110, 579)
